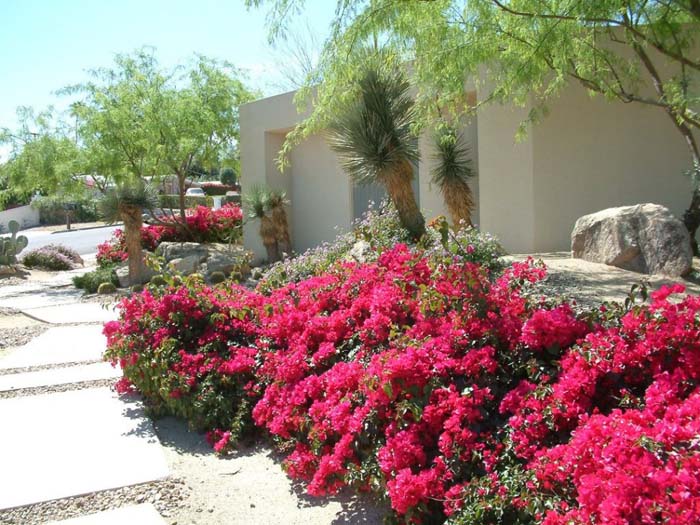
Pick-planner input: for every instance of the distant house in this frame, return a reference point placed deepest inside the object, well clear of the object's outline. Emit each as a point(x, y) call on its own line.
point(586, 155)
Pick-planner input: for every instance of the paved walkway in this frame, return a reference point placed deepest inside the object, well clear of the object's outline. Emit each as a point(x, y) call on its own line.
point(65, 432)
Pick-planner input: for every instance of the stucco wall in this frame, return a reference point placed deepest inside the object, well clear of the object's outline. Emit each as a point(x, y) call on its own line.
point(263, 127)
point(318, 189)
point(26, 216)
point(591, 154)
point(506, 179)
point(322, 193)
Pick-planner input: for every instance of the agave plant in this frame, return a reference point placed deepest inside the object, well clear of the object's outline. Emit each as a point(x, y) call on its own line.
point(257, 203)
point(126, 202)
point(278, 201)
point(372, 136)
point(451, 174)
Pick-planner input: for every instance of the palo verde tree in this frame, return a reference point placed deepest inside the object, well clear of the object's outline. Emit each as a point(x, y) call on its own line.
point(43, 156)
point(643, 52)
point(138, 120)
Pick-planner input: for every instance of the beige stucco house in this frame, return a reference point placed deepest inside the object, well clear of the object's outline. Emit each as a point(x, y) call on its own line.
point(586, 155)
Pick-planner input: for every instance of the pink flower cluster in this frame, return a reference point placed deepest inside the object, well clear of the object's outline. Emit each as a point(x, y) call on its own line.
point(443, 388)
point(202, 225)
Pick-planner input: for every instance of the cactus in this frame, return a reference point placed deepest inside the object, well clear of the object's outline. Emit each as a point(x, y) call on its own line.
point(11, 246)
point(106, 288)
point(217, 277)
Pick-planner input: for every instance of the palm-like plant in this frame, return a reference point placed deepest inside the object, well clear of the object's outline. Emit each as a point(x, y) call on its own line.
point(277, 201)
point(126, 202)
point(451, 174)
point(373, 139)
point(257, 202)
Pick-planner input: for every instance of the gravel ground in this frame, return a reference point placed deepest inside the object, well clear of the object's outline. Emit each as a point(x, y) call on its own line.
point(249, 487)
point(166, 495)
point(590, 284)
point(36, 391)
point(11, 280)
point(14, 337)
point(38, 368)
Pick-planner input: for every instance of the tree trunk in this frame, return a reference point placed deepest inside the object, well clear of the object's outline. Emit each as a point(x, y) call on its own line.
point(459, 200)
point(181, 190)
point(132, 229)
point(269, 239)
point(279, 218)
point(398, 186)
point(691, 219)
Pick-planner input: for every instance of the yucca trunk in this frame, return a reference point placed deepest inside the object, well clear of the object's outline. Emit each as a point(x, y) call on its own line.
point(460, 201)
point(398, 186)
point(279, 219)
point(269, 238)
point(132, 217)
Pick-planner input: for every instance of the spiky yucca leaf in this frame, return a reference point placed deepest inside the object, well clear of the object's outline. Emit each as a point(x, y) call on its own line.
point(135, 194)
point(452, 160)
point(451, 173)
point(373, 135)
point(256, 201)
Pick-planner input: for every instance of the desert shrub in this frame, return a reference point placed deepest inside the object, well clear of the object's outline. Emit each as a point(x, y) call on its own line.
point(452, 392)
point(213, 188)
point(191, 201)
point(199, 347)
point(91, 281)
point(53, 257)
point(203, 225)
point(379, 230)
point(52, 210)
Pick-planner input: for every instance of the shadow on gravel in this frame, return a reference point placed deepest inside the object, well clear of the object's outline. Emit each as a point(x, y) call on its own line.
point(355, 509)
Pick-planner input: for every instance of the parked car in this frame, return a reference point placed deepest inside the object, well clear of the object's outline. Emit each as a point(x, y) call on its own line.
point(195, 192)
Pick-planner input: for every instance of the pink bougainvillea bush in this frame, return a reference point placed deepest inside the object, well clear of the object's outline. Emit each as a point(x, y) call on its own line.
point(203, 225)
point(457, 395)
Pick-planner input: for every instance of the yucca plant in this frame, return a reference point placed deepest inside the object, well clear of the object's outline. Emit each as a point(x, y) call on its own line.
point(372, 136)
point(257, 203)
point(126, 202)
point(277, 202)
point(451, 174)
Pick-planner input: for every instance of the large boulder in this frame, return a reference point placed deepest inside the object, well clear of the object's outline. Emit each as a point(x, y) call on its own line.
point(645, 238)
point(185, 265)
point(189, 257)
point(123, 276)
point(181, 250)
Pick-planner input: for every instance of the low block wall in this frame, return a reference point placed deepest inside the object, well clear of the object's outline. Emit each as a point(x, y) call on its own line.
point(26, 216)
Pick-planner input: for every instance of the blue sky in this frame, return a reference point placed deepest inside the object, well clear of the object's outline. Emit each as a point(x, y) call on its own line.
point(48, 44)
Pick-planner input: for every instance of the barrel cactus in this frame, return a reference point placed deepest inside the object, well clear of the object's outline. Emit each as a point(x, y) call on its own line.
point(11, 246)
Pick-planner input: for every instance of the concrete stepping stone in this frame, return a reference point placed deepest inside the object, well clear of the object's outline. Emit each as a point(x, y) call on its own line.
point(73, 313)
point(59, 376)
point(73, 443)
point(63, 344)
point(41, 298)
point(144, 514)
